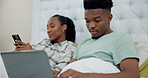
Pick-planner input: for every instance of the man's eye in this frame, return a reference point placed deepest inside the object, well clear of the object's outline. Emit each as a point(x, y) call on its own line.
point(97, 20)
point(87, 21)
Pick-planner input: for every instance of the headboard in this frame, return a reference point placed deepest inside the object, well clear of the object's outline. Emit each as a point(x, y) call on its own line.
point(130, 16)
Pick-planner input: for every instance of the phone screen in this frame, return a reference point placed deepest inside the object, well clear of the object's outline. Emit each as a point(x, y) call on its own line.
point(16, 37)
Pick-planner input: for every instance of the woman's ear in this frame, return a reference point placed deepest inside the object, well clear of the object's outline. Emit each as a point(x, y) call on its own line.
point(64, 27)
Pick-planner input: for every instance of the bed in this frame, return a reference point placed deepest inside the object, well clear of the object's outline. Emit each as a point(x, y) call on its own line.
point(129, 16)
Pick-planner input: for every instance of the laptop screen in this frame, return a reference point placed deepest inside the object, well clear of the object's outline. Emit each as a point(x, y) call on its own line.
point(29, 64)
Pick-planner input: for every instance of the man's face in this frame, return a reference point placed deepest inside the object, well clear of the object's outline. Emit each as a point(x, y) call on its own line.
point(97, 22)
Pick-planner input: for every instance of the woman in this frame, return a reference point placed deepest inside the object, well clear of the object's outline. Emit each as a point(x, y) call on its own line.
point(60, 45)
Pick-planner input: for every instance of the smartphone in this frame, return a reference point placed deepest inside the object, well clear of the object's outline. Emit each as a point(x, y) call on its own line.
point(16, 37)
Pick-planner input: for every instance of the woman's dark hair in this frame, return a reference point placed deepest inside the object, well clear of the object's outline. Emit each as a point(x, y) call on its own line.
point(70, 32)
point(96, 4)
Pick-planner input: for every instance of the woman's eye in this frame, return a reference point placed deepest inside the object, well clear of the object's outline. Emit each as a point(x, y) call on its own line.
point(52, 26)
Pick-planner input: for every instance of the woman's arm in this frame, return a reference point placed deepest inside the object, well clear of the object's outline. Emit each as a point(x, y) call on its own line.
point(23, 46)
point(73, 60)
point(65, 56)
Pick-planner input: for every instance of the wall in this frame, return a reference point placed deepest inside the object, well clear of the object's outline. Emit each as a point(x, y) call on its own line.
point(15, 17)
point(44, 9)
point(129, 16)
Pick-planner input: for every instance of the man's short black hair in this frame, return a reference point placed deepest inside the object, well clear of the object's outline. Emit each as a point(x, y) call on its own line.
point(98, 4)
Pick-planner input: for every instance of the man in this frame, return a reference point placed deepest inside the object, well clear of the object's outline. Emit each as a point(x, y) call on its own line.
point(115, 48)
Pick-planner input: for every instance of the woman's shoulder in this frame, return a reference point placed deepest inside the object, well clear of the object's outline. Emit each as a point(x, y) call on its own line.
point(45, 41)
point(70, 43)
point(66, 46)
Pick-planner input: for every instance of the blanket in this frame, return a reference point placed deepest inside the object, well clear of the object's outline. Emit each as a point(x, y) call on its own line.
point(92, 65)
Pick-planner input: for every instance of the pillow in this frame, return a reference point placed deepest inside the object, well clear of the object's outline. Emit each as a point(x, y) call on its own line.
point(143, 55)
point(144, 69)
point(142, 50)
point(136, 43)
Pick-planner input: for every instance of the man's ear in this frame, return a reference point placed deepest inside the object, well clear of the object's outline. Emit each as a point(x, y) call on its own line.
point(110, 16)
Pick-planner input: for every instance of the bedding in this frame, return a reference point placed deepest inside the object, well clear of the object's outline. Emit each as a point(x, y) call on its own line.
point(92, 65)
point(142, 52)
point(144, 69)
point(143, 55)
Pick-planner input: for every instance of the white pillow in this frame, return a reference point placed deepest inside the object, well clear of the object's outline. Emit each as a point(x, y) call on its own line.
point(91, 65)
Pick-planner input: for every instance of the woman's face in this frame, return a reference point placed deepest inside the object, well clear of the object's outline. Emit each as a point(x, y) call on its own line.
point(56, 31)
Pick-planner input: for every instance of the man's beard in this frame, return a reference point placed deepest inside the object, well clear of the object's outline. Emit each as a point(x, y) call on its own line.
point(95, 31)
point(95, 37)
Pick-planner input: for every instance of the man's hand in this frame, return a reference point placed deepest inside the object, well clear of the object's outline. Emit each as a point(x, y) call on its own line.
point(73, 74)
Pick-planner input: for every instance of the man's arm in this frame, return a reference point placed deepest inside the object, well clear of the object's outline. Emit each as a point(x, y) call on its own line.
point(129, 69)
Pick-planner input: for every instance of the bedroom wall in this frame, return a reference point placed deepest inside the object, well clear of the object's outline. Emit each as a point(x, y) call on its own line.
point(129, 16)
point(15, 17)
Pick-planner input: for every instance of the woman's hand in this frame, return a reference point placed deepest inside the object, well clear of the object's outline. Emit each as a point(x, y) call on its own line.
point(21, 46)
point(55, 73)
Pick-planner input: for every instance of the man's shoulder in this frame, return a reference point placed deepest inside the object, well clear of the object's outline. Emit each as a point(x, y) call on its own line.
point(115, 37)
point(119, 34)
point(84, 41)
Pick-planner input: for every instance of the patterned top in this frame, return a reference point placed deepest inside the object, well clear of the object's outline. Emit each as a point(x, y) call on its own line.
point(59, 54)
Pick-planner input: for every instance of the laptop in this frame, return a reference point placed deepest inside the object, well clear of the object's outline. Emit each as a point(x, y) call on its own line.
point(29, 64)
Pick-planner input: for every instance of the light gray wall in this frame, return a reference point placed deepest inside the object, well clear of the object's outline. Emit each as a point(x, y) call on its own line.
point(15, 18)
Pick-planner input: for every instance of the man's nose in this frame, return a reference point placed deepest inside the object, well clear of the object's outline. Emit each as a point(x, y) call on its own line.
point(92, 25)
